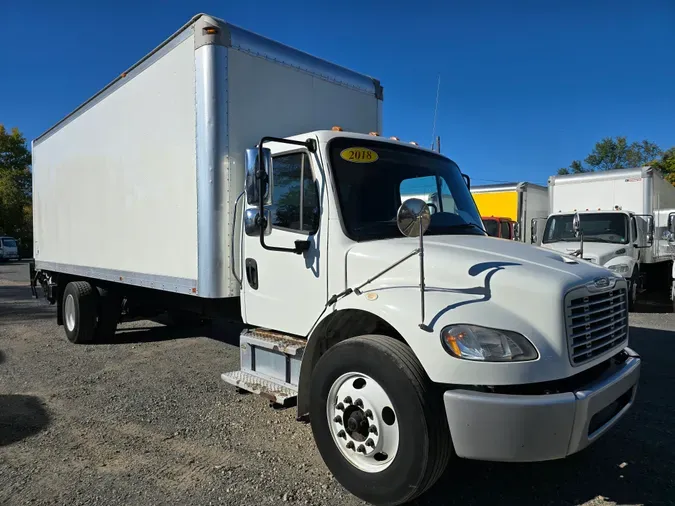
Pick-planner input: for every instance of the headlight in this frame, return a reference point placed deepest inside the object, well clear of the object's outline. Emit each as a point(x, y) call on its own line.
point(472, 342)
point(619, 268)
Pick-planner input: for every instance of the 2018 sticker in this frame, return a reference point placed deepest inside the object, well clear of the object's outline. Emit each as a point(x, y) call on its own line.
point(359, 155)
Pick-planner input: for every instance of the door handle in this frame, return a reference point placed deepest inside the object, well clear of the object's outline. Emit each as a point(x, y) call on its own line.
point(252, 273)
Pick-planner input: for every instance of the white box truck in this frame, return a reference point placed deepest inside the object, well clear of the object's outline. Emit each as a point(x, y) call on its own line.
point(623, 218)
point(229, 175)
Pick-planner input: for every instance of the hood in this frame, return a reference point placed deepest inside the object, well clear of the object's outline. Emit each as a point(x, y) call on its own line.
point(596, 252)
point(455, 261)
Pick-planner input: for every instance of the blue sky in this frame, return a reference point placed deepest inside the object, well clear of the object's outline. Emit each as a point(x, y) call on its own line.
point(526, 86)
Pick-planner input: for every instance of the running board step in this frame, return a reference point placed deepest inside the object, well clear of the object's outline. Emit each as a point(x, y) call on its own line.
point(278, 393)
point(274, 341)
point(270, 365)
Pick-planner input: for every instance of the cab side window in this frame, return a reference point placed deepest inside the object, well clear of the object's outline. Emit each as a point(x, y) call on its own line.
point(295, 197)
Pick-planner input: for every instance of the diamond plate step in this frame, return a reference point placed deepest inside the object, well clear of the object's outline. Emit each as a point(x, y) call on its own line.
point(274, 341)
point(266, 388)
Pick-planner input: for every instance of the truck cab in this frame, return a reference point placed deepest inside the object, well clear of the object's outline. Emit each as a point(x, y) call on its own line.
point(504, 228)
point(613, 239)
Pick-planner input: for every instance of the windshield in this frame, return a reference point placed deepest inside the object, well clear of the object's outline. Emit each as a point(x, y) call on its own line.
point(9, 243)
point(373, 178)
point(492, 227)
point(597, 227)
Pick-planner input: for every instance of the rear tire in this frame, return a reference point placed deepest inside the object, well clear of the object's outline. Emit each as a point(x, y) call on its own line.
point(80, 310)
point(415, 423)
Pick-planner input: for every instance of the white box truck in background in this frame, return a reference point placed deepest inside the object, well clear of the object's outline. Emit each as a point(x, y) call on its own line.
point(624, 223)
point(208, 178)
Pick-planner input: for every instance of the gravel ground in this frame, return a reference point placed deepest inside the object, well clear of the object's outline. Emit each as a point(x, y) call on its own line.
point(146, 420)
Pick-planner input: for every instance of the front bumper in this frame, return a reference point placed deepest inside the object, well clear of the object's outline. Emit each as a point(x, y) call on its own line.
point(530, 428)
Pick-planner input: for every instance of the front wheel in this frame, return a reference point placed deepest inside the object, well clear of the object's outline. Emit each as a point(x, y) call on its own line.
point(378, 421)
point(633, 283)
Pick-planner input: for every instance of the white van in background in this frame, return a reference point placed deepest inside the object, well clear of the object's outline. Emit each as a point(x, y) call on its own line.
point(9, 249)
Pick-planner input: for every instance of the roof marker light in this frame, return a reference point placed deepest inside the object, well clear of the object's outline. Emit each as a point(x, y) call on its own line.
point(336, 128)
point(374, 134)
point(394, 138)
point(414, 143)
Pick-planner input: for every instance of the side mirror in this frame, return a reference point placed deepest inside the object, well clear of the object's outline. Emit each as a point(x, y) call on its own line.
point(467, 180)
point(533, 231)
point(252, 222)
point(576, 224)
point(671, 223)
point(413, 218)
point(516, 231)
point(650, 230)
point(254, 171)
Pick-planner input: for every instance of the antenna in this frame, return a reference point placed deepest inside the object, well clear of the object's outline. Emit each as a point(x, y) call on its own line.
point(433, 129)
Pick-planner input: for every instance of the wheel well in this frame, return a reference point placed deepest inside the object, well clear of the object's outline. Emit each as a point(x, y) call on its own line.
point(337, 327)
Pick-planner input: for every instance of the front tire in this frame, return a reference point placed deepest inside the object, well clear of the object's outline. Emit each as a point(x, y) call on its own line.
point(80, 310)
point(378, 421)
point(633, 283)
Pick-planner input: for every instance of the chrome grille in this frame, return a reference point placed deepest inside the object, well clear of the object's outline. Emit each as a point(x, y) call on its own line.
point(596, 323)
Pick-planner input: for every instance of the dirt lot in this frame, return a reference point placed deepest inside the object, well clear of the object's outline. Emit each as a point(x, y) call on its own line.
point(146, 420)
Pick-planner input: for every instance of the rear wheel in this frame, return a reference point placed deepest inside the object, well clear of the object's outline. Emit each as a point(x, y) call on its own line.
point(378, 420)
point(79, 311)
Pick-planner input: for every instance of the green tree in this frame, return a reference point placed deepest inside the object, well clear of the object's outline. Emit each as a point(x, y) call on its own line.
point(666, 164)
point(615, 153)
point(16, 217)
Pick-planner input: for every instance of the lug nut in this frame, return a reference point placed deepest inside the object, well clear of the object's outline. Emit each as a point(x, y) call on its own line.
point(350, 445)
point(358, 403)
point(340, 406)
point(370, 442)
point(361, 449)
point(348, 400)
point(369, 413)
point(338, 419)
point(372, 429)
point(342, 434)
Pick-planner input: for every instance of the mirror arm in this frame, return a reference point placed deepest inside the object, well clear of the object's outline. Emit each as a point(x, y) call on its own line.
point(263, 177)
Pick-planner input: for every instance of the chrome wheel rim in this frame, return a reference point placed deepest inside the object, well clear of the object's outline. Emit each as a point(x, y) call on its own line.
point(363, 422)
point(69, 312)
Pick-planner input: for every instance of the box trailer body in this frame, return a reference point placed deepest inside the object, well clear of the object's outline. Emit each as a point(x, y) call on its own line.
point(227, 175)
point(519, 202)
point(632, 205)
point(160, 153)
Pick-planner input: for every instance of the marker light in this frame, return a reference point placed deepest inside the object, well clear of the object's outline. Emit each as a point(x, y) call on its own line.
point(336, 129)
point(374, 134)
point(414, 143)
point(394, 138)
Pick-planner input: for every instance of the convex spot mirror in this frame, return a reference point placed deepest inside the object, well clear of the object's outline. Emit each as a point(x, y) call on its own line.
point(576, 224)
point(413, 218)
point(253, 173)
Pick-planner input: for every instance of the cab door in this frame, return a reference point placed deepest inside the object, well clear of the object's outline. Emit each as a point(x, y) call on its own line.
point(282, 290)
